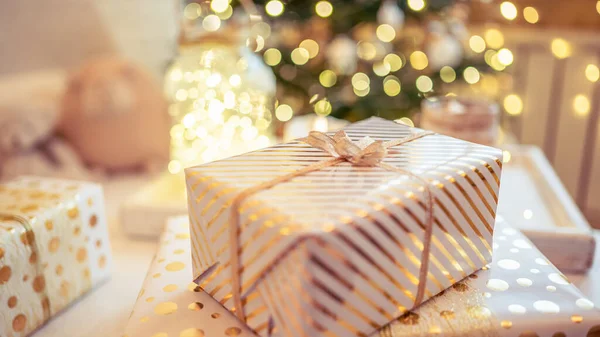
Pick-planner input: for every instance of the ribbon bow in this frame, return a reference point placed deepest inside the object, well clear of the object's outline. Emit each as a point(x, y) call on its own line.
point(366, 152)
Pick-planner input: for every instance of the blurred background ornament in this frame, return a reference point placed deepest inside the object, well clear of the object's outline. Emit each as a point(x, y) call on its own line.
point(115, 116)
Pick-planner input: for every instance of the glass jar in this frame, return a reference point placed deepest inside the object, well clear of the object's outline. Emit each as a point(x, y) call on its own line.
point(222, 99)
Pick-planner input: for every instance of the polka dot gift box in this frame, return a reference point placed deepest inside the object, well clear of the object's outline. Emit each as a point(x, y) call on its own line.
point(368, 223)
point(520, 294)
point(53, 248)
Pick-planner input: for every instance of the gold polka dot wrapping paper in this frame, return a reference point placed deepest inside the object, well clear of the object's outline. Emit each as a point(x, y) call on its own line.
point(344, 239)
point(525, 297)
point(53, 248)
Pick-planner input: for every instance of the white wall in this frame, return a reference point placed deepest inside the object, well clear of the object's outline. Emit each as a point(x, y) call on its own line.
point(62, 33)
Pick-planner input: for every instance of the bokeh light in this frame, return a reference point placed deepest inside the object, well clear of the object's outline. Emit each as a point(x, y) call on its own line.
point(447, 74)
point(394, 61)
point(211, 23)
point(219, 6)
point(505, 56)
point(284, 112)
point(327, 78)
point(513, 104)
point(272, 56)
point(192, 11)
point(418, 60)
point(311, 46)
point(471, 75)
point(416, 5)
point(406, 121)
point(360, 81)
point(508, 10)
point(531, 15)
point(494, 38)
point(323, 107)
point(561, 48)
point(581, 105)
point(323, 9)
point(381, 68)
point(274, 8)
point(391, 86)
point(477, 43)
point(385, 33)
point(366, 50)
point(592, 73)
point(300, 56)
point(424, 83)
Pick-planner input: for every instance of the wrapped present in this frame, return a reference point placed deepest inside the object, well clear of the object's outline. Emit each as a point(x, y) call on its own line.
point(53, 248)
point(366, 224)
point(520, 295)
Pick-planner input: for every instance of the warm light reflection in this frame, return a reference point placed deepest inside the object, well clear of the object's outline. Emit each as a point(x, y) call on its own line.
point(300, 56)
point(311, 46)
point(505, 56)
point(211, 23)
point(272, 56)
point(323, 107)
point(219, 6)
point(405, 121)
point(394, 61)
point(360, 81)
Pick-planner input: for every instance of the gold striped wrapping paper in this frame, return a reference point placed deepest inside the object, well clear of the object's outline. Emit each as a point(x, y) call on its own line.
point(53, 248)
point(532, 300)
point(340, 246)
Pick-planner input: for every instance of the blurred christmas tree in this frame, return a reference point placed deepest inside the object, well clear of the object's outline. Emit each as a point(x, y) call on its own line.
point(359, 58)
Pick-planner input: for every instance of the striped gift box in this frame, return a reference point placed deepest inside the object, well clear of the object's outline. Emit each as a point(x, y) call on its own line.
point(336, 252)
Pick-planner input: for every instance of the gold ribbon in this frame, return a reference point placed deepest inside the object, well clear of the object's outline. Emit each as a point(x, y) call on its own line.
point(342, 148)
point(30, 237)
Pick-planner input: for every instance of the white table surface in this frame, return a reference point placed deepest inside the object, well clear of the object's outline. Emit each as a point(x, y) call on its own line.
point(105, 311)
